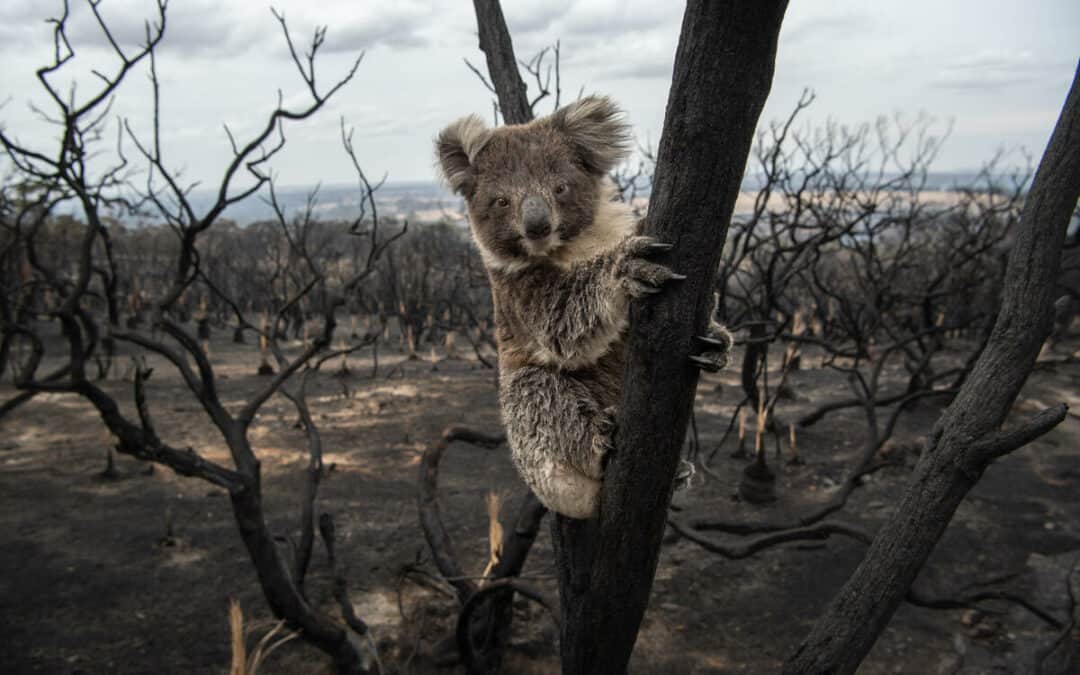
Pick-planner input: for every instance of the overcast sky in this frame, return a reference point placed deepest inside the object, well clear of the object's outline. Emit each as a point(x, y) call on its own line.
point(997, 69)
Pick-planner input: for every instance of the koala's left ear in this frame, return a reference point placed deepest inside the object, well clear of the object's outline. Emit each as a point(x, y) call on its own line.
point(457, 147)
point(598, 131)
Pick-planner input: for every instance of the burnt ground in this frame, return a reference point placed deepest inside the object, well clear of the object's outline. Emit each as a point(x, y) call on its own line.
point(133, 574)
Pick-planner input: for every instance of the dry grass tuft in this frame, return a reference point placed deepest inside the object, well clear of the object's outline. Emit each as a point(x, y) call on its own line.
point(495, 532)
point(242, 662)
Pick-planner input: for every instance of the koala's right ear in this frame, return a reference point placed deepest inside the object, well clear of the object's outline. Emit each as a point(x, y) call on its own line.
point(598, 131)
point(457, 147)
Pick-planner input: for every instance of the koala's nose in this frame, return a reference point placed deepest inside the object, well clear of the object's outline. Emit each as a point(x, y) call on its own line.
point(536, 217)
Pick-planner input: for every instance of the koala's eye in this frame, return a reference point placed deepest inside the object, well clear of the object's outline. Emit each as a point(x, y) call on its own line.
point(561, 189)
point(501, 202)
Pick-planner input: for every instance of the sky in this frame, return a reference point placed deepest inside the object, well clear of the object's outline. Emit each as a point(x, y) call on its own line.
point(994, 71)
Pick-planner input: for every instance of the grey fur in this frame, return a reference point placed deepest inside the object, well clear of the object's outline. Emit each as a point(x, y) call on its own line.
point(457, 147)
point(562, 303)
point(596, 127)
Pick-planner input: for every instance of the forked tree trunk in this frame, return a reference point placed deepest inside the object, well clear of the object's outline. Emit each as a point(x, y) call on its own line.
point(967, 438)
point(281, 591)
point(723, 73)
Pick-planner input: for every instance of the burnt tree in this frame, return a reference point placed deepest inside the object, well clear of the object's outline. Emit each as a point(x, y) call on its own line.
point(78, 174)
point(723, 73)
point(502, 65)
point(969, 436)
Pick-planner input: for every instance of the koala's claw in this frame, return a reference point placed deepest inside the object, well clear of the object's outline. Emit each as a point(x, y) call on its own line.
point(639, 289)
point(603, 441)
point(716, 346)
point(713, 342)
point(646, 278)
point(640, 246)
point(605, 422)
point(707, 364)
point(639, 276)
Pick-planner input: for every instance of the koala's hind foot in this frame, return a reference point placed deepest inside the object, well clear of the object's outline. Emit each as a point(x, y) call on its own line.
point(715, 348)
point(684, 475)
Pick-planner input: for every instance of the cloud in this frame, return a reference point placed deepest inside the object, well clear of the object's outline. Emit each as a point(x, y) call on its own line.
point(525, 18)
point(192, 28)
point(208, 28)
point(369, 121)
point(827, 27)
point(21, 23)
point(18, 11)
point(397, 25)
point(644, 70)
point(601, 20)
point(607, 39)
point(225, 61)
point(618, 38)
point(992, 69)
point(633, 55)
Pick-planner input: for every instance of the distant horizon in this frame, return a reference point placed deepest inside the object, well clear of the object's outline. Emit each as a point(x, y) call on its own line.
point(406, 182)
point(422, 201)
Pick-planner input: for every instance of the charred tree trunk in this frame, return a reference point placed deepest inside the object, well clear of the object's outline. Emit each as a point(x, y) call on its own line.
point(967, 437)
point(281, 592)
point(494, 617)
point(753, 360)
point(723, 73)
point(502, 65)
point(483, 642)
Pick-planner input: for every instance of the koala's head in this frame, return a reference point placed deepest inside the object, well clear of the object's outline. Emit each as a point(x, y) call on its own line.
point(533, 188)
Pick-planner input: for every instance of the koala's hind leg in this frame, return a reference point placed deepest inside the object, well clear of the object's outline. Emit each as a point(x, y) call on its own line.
point(558, 437)
point(715, 348)
point(715, 345)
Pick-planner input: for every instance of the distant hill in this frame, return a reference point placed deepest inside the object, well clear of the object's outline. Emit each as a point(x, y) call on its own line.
point(417, 201)
point(423, 201)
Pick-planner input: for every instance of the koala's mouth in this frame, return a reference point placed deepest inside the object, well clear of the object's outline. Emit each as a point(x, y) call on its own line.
point(539, 247)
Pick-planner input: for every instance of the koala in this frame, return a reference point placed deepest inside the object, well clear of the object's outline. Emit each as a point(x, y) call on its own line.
point(564, 257)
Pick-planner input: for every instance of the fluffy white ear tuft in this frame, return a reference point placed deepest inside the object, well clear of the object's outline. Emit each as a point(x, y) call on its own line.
point(597, 129)
point(457, 147)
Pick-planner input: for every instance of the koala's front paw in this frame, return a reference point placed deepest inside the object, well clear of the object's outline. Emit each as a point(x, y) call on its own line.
point(641, 277)
point(715, 348)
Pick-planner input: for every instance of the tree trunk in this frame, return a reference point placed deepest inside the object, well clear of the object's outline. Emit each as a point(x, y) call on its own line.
point(502, 66)
point(967, 438)
point(723, 73)
point(281, 593)
point(753, 358)
point(490, 622)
